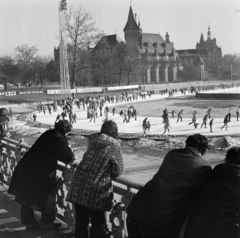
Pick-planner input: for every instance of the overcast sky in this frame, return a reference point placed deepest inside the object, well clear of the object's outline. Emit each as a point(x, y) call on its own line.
point(35, 22)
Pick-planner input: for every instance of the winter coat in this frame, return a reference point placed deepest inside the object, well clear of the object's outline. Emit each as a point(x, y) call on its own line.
point(3, 127)
point(217, 214)
point(91, 185)
point(165, 202)
point(35, 175)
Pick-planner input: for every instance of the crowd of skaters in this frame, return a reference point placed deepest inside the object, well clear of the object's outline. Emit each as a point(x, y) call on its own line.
point(207, 119)
point(94, 106)
point(98, 106)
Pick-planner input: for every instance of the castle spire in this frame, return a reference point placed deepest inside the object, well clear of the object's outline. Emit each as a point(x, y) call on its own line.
point(131, 22)
point(209, 32)
point(167, 38)
point(201, 39)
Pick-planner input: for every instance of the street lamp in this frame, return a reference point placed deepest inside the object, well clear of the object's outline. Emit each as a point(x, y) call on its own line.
point(231, 73)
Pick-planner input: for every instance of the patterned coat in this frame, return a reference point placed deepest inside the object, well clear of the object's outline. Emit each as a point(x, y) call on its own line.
point(3, 127)
point(91, 185)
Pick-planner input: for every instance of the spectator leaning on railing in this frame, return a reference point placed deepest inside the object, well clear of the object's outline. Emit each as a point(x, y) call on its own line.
point(217, 213)
point(34, 178)
point(160, 208)
point(91, 190)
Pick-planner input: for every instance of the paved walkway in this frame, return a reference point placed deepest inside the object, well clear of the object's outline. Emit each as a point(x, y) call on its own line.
point(10, 225)
point(135, 127)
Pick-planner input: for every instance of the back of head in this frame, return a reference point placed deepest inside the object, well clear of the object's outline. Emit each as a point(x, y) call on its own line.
point(3, 112)
point(63, 126)
point(199, 142)
point(110, 128)
point(233, 156)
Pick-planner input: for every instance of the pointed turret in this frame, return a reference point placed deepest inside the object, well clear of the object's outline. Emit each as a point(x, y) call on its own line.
point(209, 33)
point(167, 38)
point(201, 39)
point(131, 30)
point(131, 22)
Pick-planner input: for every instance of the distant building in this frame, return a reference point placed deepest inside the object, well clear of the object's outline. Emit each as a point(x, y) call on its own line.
point(111, 40)
point(209, 53)
point(159, 55)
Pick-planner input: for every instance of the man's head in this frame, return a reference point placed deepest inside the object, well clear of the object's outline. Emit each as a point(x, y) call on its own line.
point(199, 142)
point(4, 112)
point(233, 156)
point(110, 128)
point(63, 126)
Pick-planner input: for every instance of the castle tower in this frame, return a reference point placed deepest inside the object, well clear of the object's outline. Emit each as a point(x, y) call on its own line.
point(132, 30)
point(201, 42)
point(167, 38)
point(209, 33)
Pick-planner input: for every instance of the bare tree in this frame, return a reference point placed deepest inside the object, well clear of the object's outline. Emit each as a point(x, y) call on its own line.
point(119, 56)
point(25, 55)
point(8, 69)
point(132, 62)
point(81, 32)
point(40, 67)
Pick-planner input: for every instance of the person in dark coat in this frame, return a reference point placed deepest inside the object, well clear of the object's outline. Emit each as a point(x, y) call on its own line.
point(144, 125)
point(217, 213)
point(160, 208)
point(34, 178)
point(225, 122)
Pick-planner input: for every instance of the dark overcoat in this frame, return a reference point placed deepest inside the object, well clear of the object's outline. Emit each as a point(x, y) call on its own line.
point(165, 202)
point(34, 177)
point(217, 214)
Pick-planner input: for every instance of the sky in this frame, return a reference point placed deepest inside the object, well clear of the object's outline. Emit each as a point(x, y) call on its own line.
point(35, 22)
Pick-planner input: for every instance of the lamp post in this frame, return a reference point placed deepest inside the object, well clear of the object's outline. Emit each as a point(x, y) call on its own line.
point(231, 73)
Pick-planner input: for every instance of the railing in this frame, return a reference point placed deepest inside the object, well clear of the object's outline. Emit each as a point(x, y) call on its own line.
point(124, 189)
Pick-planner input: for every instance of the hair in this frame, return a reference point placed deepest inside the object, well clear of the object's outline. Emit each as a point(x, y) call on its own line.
point(110, 128)
point(199, 142)
point(233, 156)
point(3, 111)
point(63, 126)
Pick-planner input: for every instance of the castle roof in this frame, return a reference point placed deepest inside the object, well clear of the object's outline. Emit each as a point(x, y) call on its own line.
point(150, 39)
point(131, 23)
point(111, 40)
point(192, 52)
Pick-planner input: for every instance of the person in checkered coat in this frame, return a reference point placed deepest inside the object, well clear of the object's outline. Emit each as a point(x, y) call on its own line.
point(91, 189)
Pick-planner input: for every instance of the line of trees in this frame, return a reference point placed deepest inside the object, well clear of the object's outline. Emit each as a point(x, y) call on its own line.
point(25, 67)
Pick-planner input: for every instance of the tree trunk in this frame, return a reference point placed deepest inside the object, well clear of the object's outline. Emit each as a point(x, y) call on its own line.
point(128, 79)
point(41, 82)
point(73, 76)
point(119, 81)
point(102, 80)
point(5, 85)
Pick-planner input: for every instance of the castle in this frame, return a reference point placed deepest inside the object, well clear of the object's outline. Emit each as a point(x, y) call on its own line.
point(210, 54)
point(160, 58)
point(163, 60)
